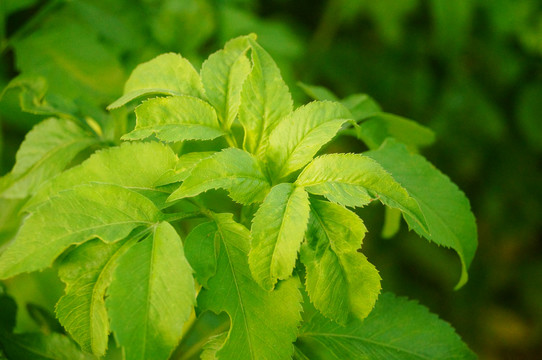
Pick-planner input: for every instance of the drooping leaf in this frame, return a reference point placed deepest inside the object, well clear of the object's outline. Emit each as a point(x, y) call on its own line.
point(157, 280)
point(299, 136)
point(166, 74)
point(118, 166)
point(356, 180)
point(277, 231)
point(47, 149)
point(263, 324)
point(381, 126)
point(265, 100)
point(223, 74)
point(446, 209)
point(339, 279)
point(396, 329)
point(87, 272)
point(106, 211)
point(183, 168)
point(38, 346)
point(232, 169)
point(175, 118)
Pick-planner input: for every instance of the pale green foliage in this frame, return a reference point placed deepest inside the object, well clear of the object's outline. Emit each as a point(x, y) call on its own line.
point(106, 211)
point(277, 231)
point(183, 168)
point(47, 149)
point(232, 169)
point(167, 74)
point(395, 329)
point(445, 208)
point(157, 279)
point(339, 279)
point(175, 118)
point(263, 324)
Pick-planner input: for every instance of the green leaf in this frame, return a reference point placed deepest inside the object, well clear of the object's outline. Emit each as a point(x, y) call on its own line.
point(202, 247)
point(265, 100)
point(232, 169)
point(396, 329)
point(277, 231)
point(176, 118)
point(87, 272)
point(339, 279)
point(117, 166)
point(361, 106)
point(263, 324)
point(157, 280)
point(318, 92)
point(356, 180)
point(166, 74)
point(47, 149)
point(379, 127)
point(223, 74)
point(183, 168)
point(106, 211)
point(38, 346)
point(446, 209)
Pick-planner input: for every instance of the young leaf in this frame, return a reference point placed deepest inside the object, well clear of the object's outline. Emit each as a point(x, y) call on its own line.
point(232, 169)
point(339, 280)
point(106, 211)
point(223, 74)
point(299, 136)
point(157, 280)
point(47, 149)
point(183, 168)
point(277, 231)
point(38, 346)
point(356, 180)
point(175, 118)
point(445, 208)
point(87, 272)
point(265, 100)
point(263, 324)
point(166, 74)
point(396, 329)
point(117, 166)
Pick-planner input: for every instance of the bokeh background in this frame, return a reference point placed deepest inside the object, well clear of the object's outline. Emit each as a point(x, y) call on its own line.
point(471, 70)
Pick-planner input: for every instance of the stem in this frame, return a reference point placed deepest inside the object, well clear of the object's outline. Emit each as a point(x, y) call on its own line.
point(231, 140)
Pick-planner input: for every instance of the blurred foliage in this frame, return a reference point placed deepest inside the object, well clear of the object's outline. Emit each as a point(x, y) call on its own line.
point(469, 69)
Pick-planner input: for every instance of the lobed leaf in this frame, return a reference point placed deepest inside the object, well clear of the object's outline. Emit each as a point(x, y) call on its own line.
point(166, 74)
point(223, 75)
point(356, 180)
point(231, 169)
point(277, 231)
point(156, 278)
point(339, 279)
point(263, 324)
point(445, 208)
point(265, 100)
point(175, 118)
point(396, 329)
point(106, 211)
point(299, 136)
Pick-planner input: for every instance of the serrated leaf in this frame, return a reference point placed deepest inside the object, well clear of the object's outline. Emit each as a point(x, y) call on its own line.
point(202, 246)
point(87, 272)
point(339, 279)
point(106, 211)
point(356, 180)
point(223, 74)
point(117, 166)
point(265, 100)
point(396, 329)
point(155, 276)
point(263, 324)
point(183, 168)
point(299, 136)
point(446, 208)
point(38, 346)
point(277, 231)
point(47, 149)
point(175, 118)
point(166, 74)
point(231, 169)
point(379, 127)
